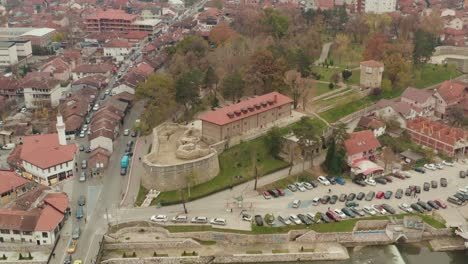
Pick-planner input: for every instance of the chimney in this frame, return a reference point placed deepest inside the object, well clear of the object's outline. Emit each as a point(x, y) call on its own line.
point(275, 98)
point(61, 130)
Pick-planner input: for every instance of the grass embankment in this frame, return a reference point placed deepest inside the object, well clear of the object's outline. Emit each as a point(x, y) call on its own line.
point(141, 195)
point(233, 162)
point(343, 226)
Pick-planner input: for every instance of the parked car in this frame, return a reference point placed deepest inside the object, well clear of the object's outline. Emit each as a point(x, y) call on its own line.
point(408, 192)
point(381, 180)
point(123, 171)
point(343, 197)
point(351, 197)
point(258, 220)
point(199, 220)
point(72, 247)
point(434, 184)
point(292, 187)
point(379, 209)
point(417, 189)
point(379, 195)
point(462, 174)
point(360, 196)
point(399, 193)
point(76, 232)
point(180, 219)
point(84, 164)
point(440, 203)
point(405, 207)
point(294, 219)
point(420, 170)
point(358, 211)
point(134, 134)
point(388, 195)
point(348, 212)
point(266, 195)
point(313, 183)
point(424, 205)
point(82, 176)
point(273, 193)
point(300, 187)
point(159, 218)
point(388, 178)
point(296, 203)
point(82, 200)
point(307, 185)
point(79, 212)
point(315, 201)
point(304, 219)
point(359, 182)
point(280, 191)
point(340, 181)
point(218, 221)
point(351, 204)
point(312, 217)
point(68, 259)
point(324, 218)
point(443, 182)
point(448, 163)
point(246, 217)
point(370, 195)
point(454, 200)
point(325, 199)
point(388, 208)
point(369, 210)
point(370, 181)
point(284, 219)
point(81, 148)
point(333, 199)
point(331, 179)
point(433, 204)
point(426, 186)
point(398, 175)
point(323, 180)
point(340, 213)
point(126, 132)
point(439, 166)
point(333, 216)
point(430, 166)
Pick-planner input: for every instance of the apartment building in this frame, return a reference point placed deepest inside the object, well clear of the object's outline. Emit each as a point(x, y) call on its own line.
point(117, 20)
point(376, 6)
point(8, 54)
point(41, 89)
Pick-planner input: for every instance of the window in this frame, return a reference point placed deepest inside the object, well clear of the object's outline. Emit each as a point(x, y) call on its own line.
point(44, 242)
point(45, 234)
point(27, 233)
point(4, 231)
point(16, 232)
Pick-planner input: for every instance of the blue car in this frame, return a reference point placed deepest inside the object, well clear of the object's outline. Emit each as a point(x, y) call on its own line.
point(340, 181)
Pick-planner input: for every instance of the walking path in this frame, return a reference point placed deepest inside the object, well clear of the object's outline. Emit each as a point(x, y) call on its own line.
point(324, 54)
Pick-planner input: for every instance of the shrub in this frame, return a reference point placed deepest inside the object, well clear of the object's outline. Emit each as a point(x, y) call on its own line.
point(124, 255)
point(154, 254)
point(20, 256)
point(134, 254)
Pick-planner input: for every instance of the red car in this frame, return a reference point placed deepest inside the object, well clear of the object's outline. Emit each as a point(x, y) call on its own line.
point(280, 191)
point(440, 203)
point(333, 216)
point(266, 195)
point(380, 195)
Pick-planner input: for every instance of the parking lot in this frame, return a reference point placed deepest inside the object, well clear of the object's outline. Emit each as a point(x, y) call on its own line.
point(283, 205)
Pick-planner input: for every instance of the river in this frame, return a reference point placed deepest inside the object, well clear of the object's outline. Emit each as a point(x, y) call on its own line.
point(400, 254)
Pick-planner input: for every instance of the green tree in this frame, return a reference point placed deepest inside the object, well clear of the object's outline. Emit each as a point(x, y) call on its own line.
point(273, 142)
point(346, 74)
point(186, 88)
point(424, 46)
point(233, 86)
point(269, 218)
point(210, 78)
point(335, 159)
point(193, 43)
point(58, 37)
point(309, 138)
point(277, 23)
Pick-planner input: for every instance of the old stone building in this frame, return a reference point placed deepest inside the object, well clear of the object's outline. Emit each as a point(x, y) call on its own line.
point(245, 116)
point(371, 74)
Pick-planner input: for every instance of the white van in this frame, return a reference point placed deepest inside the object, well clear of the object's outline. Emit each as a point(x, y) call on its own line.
point(9, 146)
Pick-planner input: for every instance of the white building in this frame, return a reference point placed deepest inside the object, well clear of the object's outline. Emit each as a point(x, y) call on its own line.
point(117, 49)
point(8, 54)
point(47, 158)
point(23, 48)
point(41, 89)
point(377, 6)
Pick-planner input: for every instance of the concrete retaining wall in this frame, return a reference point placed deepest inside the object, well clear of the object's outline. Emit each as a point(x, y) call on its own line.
point(163, 244)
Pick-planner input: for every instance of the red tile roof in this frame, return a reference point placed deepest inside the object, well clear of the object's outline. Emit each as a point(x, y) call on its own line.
point(10, 180)
point(370, 122)
point(44, 151)
point(118, 43)
point(416, 95)
point(140, 35)
point(49, 219)
point(93, 80)
point(41, 80)
point(58, 201)
point(143, 68)
point(246, 108)
point(18, 219)
point(112, 14)
point(372, 63)
point(93, 68)
point(361, 141)
point(436, 130)
point(453, 92)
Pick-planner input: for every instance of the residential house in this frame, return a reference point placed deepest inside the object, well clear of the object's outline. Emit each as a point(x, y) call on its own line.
point(391, 110)
point(371, 74)
point(117, 49)
point(240, 118)
point(376, 6)
point(99, 158)
point(95, 82)
point(11, 186)
point(37, 226)
point(128, 83)
point(372, 123)
point(58, 68)
point(209, 18)
point(361, 145)
point(10, 88)
point(450, 141)
point(85, 70)
point(41, 89)
point(136, 38)
point(105, 125)
point(144, 69)
point(420, 100)
point(47, 158)
point(449, 95)
point(75, 108)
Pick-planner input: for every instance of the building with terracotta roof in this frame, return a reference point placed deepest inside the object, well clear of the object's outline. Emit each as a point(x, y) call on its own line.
point(437, 136)
point(37, 226)
point(143, 68)
point(11, 186)
point(10, 88)
point(372, 123)
point(117, 20)
point(371, 74)
point(58, 68)
point(376, 6)
point(95, 82)
point(128, 83)
point(84, 70)
point(420, 100)
point(449, 95)
point(209, 18)
point(41, 89)
point(118, 49)
point(240, 118)
point(47, 158)
point(361, 145)
point(75, 108)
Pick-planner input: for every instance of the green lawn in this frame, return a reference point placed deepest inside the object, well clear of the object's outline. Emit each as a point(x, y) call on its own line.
point(141, 195)
point(321, 88)
point(355, 78)
point(431, 74)
point(340, 111)
point(317, 123)
point(326, 73)
point(234, 161)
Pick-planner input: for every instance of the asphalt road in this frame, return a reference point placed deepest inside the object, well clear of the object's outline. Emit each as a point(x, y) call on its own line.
point(220, 204)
